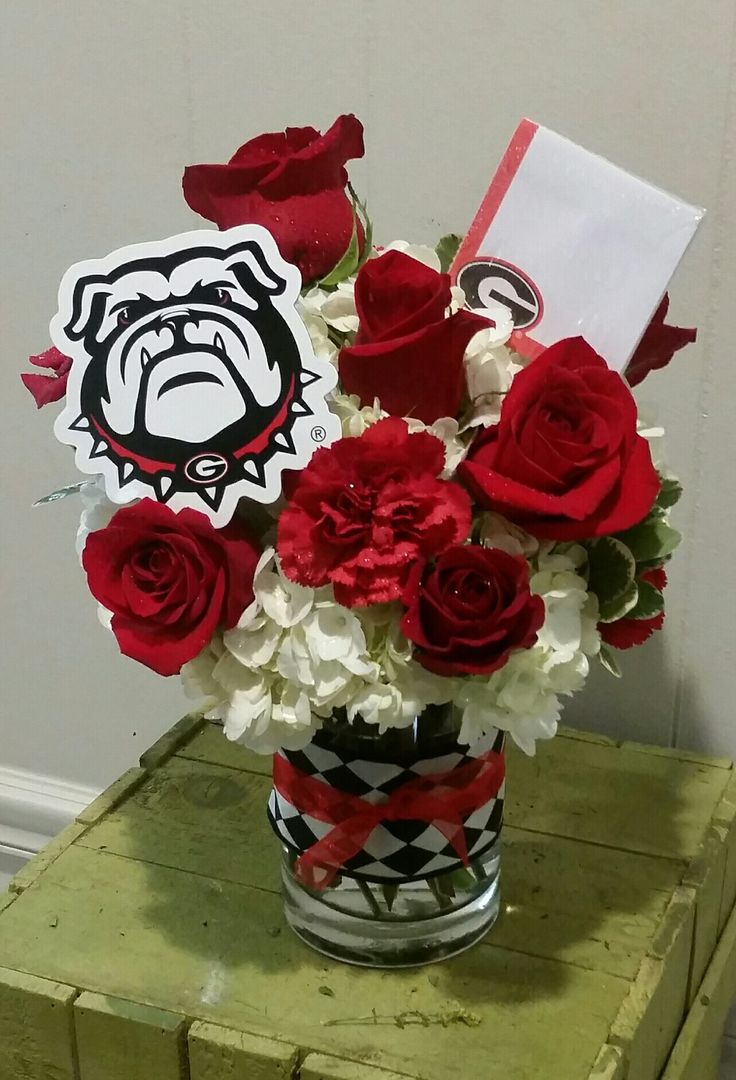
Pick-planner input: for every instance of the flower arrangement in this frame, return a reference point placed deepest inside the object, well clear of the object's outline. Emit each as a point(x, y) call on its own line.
point(468, 532)
point(483, 529)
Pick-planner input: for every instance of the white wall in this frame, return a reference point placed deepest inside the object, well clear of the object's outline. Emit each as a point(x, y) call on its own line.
point(104, 103)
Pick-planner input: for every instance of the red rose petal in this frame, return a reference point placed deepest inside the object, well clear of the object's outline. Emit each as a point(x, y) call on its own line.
point(451, 633)
point(292, 183)
point(565, 461)
point(169, 579)
point(420, 375)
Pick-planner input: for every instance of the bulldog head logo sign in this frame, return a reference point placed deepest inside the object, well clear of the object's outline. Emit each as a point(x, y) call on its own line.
point(193, 378)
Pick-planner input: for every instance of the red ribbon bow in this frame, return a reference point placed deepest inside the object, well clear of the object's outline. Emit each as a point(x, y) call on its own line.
point(441, 799)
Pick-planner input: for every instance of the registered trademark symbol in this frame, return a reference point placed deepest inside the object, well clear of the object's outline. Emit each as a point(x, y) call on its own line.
point(318, 434)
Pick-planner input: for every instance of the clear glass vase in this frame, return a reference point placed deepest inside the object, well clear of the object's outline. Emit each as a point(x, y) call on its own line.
point(407, 891)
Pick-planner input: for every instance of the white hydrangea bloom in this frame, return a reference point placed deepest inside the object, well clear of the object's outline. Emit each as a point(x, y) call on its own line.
point(497, 532)
point(324, 348)
point(490, 367)
point(522, 697)
point(354, 417)
point(649, 429)
point(447, 430)
point(97, 510)
point(335, 308)
point(296, 655)
point(402, 688)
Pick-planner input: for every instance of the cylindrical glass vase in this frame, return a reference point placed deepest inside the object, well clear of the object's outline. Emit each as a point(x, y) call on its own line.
point(391, 853)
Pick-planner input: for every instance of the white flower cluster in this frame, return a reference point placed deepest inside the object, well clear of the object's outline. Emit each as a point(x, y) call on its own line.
point(523, 696)
point(296, 655)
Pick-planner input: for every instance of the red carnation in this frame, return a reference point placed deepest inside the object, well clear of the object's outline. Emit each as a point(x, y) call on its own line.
point(625, 633)
point(366, 509)
point(408, 352)
point(169, 580)
point(293, 183)
point(48, 388)
point(658, 345)
point(565, 460)
point(470, 610)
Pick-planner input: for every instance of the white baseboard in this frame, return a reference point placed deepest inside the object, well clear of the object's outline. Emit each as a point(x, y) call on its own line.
point(33, 809)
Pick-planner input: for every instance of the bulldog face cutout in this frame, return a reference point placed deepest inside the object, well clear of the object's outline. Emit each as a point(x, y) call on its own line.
point(193, 378)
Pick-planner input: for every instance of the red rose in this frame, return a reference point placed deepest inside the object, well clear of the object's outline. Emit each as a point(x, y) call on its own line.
point(293, 183)
point(470, 610)
point(48, 388)
point(625, 633)
point(407, 352)
point(365, 509)
point(565, 460)
point(658, 345)
point(170, 580)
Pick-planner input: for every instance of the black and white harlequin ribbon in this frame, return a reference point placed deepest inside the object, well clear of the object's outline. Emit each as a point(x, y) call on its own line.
point(396, 851)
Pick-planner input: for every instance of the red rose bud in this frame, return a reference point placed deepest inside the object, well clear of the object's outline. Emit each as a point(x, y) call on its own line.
point(625, 633)
point(658, 345)
point(408, 353)
point(469, 611)
point(293, 183)
point(565, 460)
point(170, 580)
point(366, 509)
point(48, 388)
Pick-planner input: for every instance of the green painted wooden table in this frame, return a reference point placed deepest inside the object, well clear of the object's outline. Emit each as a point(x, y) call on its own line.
point(147, 941)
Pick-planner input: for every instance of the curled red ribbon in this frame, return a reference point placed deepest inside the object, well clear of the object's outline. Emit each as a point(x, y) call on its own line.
point(441, 799)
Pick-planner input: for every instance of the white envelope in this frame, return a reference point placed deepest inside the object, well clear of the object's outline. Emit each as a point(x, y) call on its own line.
point(572, 245)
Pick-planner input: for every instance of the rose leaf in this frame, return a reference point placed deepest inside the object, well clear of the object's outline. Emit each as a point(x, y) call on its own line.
point(649, 604)
point(651, 539)
point(669, 492)
point(611, 570)
point(615, 608)
point(447, 248)
point(609, 661)
point(348, 264)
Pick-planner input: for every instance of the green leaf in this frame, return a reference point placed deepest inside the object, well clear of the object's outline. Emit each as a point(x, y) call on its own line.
point(652, 564)
point(669, 492)
point(611, 571)
point(353, 258)
point(618, 606)
point(348, 264)
point(609, 661)
point(447, 248)
point(649, 604)
point(367, 228)
point(61, 493)
point(652, 539)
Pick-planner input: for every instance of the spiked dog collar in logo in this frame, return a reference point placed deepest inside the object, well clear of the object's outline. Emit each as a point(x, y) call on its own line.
point(193, 378)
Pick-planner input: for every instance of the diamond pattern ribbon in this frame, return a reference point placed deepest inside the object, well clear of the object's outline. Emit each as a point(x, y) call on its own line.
point(440, 799)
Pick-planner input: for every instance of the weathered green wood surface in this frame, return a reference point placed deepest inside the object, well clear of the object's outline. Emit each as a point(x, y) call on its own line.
point(160, 909)
point(36, 1028)
point(121, 1040)
point(216, 1052)
point(696, 1055)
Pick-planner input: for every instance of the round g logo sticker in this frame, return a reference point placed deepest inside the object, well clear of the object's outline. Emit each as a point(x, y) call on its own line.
point(487, 282)
point(206, 468)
